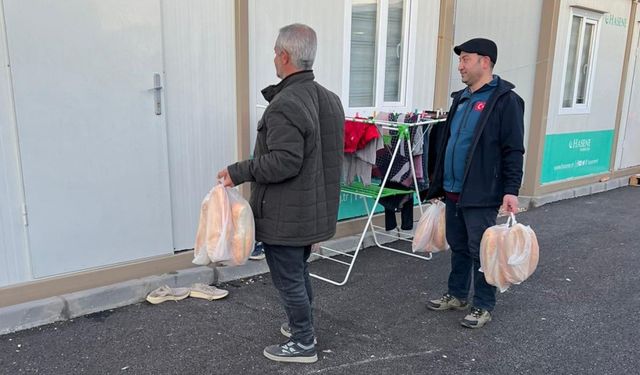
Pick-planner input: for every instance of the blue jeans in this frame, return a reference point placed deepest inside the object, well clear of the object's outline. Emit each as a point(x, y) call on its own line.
point(290, 274)
point(465, 227)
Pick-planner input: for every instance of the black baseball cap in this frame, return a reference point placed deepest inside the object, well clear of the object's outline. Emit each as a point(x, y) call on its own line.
point(481, 46)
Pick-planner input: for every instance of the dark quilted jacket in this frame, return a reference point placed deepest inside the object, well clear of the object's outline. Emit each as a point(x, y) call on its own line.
point(297, 163)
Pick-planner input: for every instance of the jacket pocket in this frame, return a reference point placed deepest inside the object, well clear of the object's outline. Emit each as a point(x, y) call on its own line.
point(258, 201)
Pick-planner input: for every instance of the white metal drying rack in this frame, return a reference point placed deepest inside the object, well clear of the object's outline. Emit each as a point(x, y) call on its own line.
point(403, 135)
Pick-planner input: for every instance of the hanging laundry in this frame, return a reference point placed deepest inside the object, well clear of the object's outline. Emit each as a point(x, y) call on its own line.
point(357, 134)
point(360, 163)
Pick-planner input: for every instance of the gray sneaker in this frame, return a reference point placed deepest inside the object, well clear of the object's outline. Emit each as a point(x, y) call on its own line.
point(477, 318)
point(286, 332)
point(447, 302)
point(291, 352)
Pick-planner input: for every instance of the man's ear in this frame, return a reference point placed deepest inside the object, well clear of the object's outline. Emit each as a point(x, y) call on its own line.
point(285, 57)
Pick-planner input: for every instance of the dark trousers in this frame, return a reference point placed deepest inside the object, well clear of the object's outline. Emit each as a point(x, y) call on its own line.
point(290, 274)
point(465, 227)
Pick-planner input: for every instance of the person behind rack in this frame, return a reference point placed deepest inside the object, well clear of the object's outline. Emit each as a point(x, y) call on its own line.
point(478, 156)
point(295, 175)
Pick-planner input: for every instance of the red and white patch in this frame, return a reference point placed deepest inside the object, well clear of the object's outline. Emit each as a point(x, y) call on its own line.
point(479, 106)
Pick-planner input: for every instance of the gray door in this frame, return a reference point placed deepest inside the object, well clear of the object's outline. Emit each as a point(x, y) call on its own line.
point(92, 145)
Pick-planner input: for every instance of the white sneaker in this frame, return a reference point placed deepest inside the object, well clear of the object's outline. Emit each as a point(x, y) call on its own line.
point(165, 293)
point(207, 292)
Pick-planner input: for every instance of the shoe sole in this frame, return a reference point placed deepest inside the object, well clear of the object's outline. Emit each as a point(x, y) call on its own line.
point(433, 308)
point(468, 325)
point(311, 359)
point(196, 294)
point(157, 300)
point(259, 257)
point(287, 334)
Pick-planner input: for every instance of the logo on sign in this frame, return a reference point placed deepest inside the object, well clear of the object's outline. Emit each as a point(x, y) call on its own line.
point(479, 106)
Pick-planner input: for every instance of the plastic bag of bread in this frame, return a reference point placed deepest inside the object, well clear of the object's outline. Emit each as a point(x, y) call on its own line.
point(509, 254)
point(430, 235)
point(226, 228)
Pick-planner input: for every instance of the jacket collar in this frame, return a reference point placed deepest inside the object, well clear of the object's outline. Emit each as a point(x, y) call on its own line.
point(270, 92)
point(503, 86)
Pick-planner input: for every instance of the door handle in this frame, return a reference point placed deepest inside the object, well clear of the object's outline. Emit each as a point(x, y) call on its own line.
point(157, 93)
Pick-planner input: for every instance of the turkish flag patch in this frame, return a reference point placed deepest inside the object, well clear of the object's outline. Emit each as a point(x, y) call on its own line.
point(479, 106)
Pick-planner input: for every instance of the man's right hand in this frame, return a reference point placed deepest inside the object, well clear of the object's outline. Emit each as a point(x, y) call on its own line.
point(226, 179)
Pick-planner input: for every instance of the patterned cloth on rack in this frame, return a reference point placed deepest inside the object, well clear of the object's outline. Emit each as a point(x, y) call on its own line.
point(401, 168)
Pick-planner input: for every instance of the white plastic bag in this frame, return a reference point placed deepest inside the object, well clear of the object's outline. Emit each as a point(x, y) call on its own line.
point(226, 231)
point(430, 235)
point(509, 254)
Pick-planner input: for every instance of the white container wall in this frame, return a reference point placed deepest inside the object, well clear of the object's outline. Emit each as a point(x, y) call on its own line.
point(14, 258)
point(426, 50)
point(627, 154)
point(515, 27)
point(200, 66)
point(325, 17)
point(581, 119)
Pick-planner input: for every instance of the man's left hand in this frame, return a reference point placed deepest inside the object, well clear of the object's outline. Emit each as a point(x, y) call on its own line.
point(510, 204)
point(226, 179)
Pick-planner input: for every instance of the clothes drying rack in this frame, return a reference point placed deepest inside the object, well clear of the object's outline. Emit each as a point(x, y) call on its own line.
point(378, 192)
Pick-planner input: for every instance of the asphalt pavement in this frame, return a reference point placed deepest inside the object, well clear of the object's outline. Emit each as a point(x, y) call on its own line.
point(575, 315)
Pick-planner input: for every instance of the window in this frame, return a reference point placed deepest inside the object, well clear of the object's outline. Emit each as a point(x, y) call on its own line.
point(377, 76)
point(580, 58)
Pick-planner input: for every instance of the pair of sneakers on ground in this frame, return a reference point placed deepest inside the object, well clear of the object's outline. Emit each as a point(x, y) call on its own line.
point(198, 290)
point(291, 351)
point(477, 318)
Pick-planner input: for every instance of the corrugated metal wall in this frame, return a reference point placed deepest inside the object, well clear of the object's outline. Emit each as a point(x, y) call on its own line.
point(14, 260)
point(199, 49)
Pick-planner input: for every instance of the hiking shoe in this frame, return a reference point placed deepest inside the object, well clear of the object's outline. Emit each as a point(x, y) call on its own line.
point(258, 252)
point(446, 302)
point(476, 318)
point(207, 292)
point(165, 293)
point(291, 352)
point(286, 332)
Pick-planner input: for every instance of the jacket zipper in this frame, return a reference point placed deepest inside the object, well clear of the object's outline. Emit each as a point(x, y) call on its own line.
point(453, 151)
point(479, 129)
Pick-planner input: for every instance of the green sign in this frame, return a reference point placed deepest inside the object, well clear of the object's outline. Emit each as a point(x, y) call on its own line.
point(573, 155)
point(352, 206)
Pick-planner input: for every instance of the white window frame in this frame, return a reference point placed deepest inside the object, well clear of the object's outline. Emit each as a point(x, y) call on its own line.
point(595, 19)
point(409, 25)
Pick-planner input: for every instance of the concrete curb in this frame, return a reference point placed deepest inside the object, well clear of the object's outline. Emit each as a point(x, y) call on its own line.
point(67, 306)
point(45, 311)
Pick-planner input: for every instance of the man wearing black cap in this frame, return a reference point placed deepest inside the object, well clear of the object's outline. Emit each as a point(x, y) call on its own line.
point(477, 168)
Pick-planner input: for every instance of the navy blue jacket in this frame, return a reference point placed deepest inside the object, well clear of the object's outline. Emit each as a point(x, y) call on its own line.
point(493, 166)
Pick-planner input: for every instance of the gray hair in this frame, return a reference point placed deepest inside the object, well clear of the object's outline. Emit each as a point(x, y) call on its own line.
point(300, 42)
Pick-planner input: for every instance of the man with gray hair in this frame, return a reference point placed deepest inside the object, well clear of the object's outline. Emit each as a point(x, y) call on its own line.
point(295, 176)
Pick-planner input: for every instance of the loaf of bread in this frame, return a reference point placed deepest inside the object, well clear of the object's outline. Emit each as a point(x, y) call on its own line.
point(521, 253)
point(430, 234)
point(218, 224)
point(243, 237)
point(492, 259)
point(440, 233)
point(200, 247)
